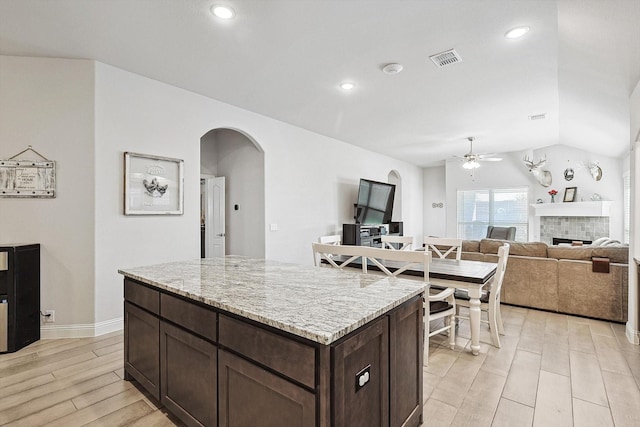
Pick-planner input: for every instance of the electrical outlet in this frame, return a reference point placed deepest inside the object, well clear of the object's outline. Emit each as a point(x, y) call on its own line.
point(363, 377)
point(49, 316)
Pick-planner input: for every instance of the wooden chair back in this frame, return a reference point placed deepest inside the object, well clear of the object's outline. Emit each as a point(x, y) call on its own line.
point(443, 246)
point(400, 261)
point(405, 243)
point(333, 239)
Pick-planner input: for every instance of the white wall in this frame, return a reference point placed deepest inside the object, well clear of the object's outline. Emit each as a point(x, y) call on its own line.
point(48, 103)
point(435, 191)
point(512, 172)
point(311, 180)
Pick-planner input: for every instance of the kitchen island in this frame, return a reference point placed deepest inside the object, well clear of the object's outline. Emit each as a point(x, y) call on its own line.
point(244, 342)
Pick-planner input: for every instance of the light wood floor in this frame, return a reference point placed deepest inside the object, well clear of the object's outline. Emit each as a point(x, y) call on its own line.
point(552, 370)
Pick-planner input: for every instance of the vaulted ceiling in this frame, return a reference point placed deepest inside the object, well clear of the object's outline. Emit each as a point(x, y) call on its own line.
point(285, 59)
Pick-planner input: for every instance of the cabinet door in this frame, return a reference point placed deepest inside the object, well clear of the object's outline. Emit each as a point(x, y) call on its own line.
point(188, 376)
point(361, 378)
point(141, 348)
point(405, 364)
point(252, 396)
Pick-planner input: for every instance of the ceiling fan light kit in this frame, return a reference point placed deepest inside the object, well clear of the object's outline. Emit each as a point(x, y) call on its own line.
point(471, 160)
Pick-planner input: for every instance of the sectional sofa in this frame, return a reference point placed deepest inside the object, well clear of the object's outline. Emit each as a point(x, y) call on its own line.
point(561, 278)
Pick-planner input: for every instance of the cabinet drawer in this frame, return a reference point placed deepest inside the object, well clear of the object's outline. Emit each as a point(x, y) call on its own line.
point(142, 296)
point(192, 317)
point(291, 358)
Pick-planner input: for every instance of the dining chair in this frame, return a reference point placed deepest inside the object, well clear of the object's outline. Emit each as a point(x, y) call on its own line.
point(333, 239)
point(328, 252)
point(402, 243)
point(444, 246)
point(442, 304)
point(490, 300)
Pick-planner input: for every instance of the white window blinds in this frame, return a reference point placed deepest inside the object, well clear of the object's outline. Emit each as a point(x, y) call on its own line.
point(500, 207)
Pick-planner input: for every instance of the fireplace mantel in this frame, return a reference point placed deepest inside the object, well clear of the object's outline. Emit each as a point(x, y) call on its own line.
point(600, 208)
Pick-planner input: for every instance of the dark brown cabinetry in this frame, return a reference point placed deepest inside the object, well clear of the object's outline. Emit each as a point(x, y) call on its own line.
point(19, 296)
point(142, 348)
point(252, 396)
point(209, 367)
point(361, 378)
point(188, 376)
point(406, 328)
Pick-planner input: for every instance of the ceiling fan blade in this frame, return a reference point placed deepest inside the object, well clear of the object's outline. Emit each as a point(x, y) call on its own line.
point(490, 159)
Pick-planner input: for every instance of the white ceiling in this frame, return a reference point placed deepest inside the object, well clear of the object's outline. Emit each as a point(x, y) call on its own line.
point(285, 59)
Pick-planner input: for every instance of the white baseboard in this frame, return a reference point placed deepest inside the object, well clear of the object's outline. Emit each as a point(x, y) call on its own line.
point(81, 331)
point(632, 335)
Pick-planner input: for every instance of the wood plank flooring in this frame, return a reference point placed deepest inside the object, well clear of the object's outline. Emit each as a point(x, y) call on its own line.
point(552, 370)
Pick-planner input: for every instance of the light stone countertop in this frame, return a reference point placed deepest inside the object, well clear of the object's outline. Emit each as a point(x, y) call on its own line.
point(320, 304)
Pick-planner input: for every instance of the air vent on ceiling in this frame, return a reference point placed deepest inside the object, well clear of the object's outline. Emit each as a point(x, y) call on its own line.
point(448, 57)
point(538, 116)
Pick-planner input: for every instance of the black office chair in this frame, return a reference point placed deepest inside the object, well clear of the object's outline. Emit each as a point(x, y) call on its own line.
point(502, 233)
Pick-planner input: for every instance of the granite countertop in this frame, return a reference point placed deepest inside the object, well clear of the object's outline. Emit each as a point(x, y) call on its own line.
point(320, 304)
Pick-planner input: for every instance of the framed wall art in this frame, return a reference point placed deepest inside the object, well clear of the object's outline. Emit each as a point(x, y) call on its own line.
point(570, 194)
point(28, 178)
point(153, 185)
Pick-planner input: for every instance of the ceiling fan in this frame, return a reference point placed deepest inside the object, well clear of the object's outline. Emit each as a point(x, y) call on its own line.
point(471, 159)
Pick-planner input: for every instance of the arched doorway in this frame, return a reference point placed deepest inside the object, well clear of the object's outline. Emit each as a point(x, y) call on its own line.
point(237, 157)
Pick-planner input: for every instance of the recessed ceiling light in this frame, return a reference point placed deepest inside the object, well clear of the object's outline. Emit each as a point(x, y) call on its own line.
point(517, 32)
point(222, 12)
point(347, 86)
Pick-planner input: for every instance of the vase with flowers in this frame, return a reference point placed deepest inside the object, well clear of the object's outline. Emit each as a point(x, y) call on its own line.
point(553, 193)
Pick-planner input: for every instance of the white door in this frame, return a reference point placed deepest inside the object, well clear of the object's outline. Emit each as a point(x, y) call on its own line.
point(214, 217)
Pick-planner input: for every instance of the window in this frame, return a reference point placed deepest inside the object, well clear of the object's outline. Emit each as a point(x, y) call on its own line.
point(500, 207)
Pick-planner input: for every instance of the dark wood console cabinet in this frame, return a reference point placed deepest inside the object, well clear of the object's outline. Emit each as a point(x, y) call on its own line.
point(213, 368)
point(368, 235)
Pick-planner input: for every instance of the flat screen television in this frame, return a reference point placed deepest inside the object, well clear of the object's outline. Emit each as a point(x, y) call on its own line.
point(375, 202)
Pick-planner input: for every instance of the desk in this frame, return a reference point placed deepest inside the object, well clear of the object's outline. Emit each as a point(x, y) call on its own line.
point(469, 275)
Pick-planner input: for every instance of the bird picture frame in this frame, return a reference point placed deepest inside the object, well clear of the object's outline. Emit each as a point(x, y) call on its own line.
point(153, 185)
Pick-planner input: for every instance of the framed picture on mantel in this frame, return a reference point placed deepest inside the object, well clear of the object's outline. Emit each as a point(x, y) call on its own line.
point(153, 185)
point(570, 194)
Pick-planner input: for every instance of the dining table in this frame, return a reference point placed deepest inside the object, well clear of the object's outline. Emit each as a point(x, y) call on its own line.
point(471, 276)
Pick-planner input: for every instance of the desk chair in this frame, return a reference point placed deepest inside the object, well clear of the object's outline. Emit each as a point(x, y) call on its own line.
point(502, 233)
point(404, 243)
point(490, 300)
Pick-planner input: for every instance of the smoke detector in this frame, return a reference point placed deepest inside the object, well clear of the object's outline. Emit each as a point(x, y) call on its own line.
point(445, 58)
point(392, 68)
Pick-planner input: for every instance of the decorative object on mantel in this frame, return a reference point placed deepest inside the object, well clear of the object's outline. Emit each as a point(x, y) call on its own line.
point(539, 201)
point(553, 193)
point(570, 194)
point(153, 185)
point(542, 176)
point(28, 178)
point(595, 197)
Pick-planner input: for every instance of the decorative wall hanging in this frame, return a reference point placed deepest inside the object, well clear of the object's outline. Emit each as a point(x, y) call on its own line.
point(28, 178)
point(568, 174)
point(153, 185)
point(542, 176)
point(570, 194)
point(595, 171)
